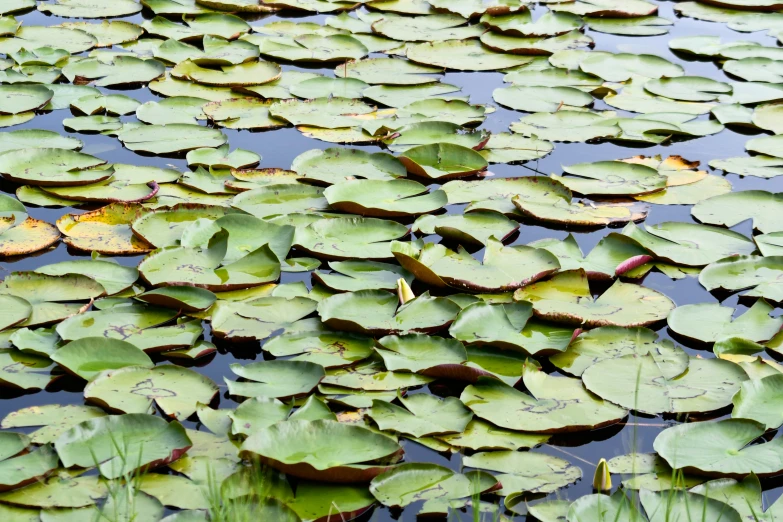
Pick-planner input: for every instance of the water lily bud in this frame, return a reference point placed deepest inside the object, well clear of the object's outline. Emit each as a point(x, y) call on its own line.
point(602, 481)
point(404, 291)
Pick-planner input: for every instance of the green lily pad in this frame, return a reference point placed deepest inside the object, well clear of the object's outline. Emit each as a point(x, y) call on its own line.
point(507, 327)
point(535, 46)
point(566, 298)
point(609, 8)
point(311, 47)
point(637, 26)
point(113, 277)
point(145, 441)
point(422, 415)
point(689, 244)
point(432, 28)
point(92, 124)
point(165, 227)
point(438, 486)
point(15, 99)
point(179, 109)
point(243, 113)
point(387, 71)
point(138, 389)
point(504, 268)
point(51, 419)
point(24, 371)
point(371, 377)
point(755, 400)
point(121, 70)
point(34, 138)
point(556, 404)
point(567, 125)
point(336, 165)
point(661, 385)
point(343, 239)
point(760, 274)
point(442, 161)
point(260, 318)
point(526, 472)
point(339, 450)
point(276, 379)
point(17, 5)
point(474, 228)
point(688, 88)
point(35, 36)
point(769, 145)
point(698, 321)
point(169, 86)
point(521, 23)
point(108, 33)
point(27, 469)
point(735, 207)
point(91, 8)
point(612, 178)
point(168, 139)
point(595, 507)
point(185, 298)
point(273, 200)
point(467, 55)
point(314, 500)
point(439, 134)
point(89, 356)
point(330, 350)
point(420, 353)
point(720, 448)
point(473, 8)
point(481, 435)
point(326, 113)
point(221, 158)
point(622, 67)
point(53, 167)
point(250, 73)
point(113, 104)
point(376, 312)
point(382, 198)
point(351, 276)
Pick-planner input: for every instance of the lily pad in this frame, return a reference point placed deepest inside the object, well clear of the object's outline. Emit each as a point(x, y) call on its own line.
point(615, 178)
point(526, 472)
point(420, 353)
point(463, 55)
point(168, 139)
point(337, 165)
point(250, 73)
point(340, 450)
point(330, 350)
point(760, 274)
point(381, 198)
point(443, 161)
point(276, 379)
point(91, 8)
point(351, 276)
point(735, 207)
point(53, 167)
point(423, 415)
point(89, 356)
point(566, 298)
point(343, 239)
point(121, 70)
point(15, 99)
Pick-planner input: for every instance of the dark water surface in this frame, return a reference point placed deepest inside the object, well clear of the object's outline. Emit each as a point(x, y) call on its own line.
point(278, 148)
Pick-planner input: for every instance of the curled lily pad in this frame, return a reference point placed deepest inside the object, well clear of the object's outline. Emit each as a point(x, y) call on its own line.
point(145, 441)
point(504, 268)
point(381, 198)
point(443, 161)
point(436, 485)
point(136, 389)
point(20, 234)
point(567, 298)
point(53, 167)
point(508, 327)
point(555, 404)
point(494, 194)
point(106, 230)
point(719, 448)
point(89, 356)
point(128, 183)
point(376, 312)
point(275, 378)
point(343, 450)
point(534, 46)
point(689, 244)
point(637, 26)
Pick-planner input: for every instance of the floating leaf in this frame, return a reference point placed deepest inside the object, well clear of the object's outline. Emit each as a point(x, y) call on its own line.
point(106, 230)
point(422, 415)
point(443, 161)
point(616, 178)
point(735, 207)
point(276, 379)
point(381, 198)
point(89, 356)
point(337, 165)
point(91, 8)
point(167, 139)
point(122, 70)
point(526, 472)
point(349, 238)
point(734, 273)
point(466, 55)
point(330, 350)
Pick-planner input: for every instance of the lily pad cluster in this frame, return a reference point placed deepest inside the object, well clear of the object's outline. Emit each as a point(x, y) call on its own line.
point(413, 279)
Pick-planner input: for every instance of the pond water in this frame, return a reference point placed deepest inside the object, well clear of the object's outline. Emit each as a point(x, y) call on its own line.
point(279, 147)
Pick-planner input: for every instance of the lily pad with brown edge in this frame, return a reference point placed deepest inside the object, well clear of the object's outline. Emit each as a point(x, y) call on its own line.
point(277, 379)
point(341, 453)
point(443, 161)
point(27, 468)
point(566, 298)
point(53, 167)
point(689, 244)
point(144, 440)
point(436, 133)
point(504, 268)
point(329, 349)
point(351, 276)
point(376, 312)
point(663, 385)
point(19, 98)
point(343, 239)
point(138, 389)
point(535, 46)
point(52, 297)
point(15, 310)
point(337, 165)
point(205, 268)
point(553, 405)
point(439, 487)
point(89, 356)
point(423, 415)
point(508, 327)
point(421, 353)
point(185, 298)
point(20, 234)
point(526, 472)
point(382, 198)
point(601, 263)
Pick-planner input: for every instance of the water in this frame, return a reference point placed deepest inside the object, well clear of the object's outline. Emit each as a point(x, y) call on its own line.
point(278, 148)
